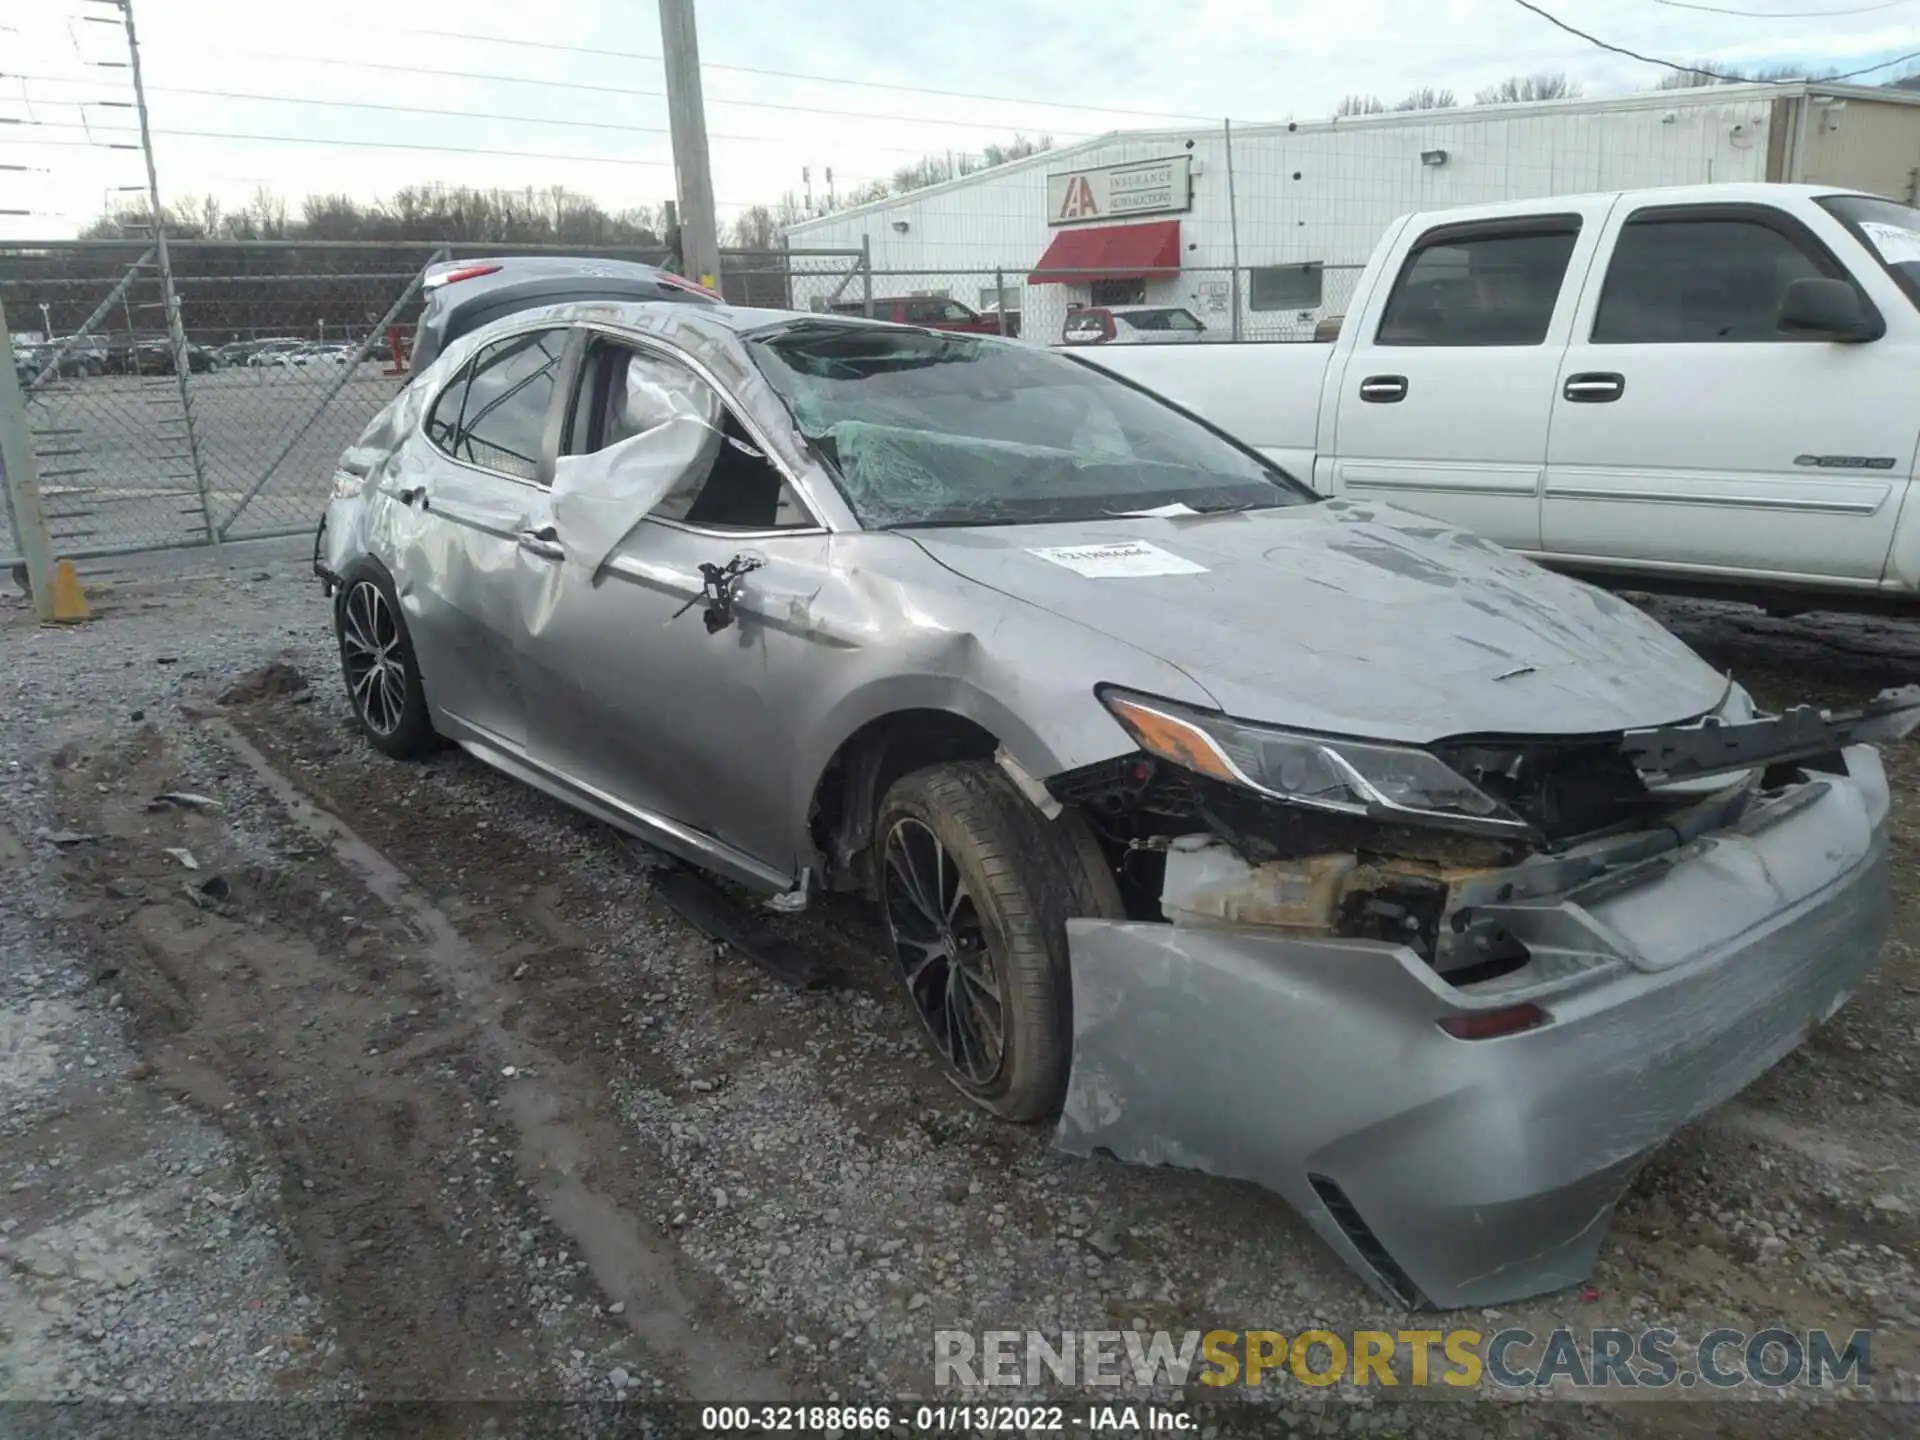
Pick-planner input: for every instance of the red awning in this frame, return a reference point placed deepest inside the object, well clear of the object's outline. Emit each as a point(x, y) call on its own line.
point(1110, 252)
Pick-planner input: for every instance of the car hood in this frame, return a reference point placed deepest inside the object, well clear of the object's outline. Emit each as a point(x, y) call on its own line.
point(1350, 619)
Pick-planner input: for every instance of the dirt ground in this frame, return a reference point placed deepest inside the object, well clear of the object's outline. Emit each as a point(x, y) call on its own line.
point(336, 1079)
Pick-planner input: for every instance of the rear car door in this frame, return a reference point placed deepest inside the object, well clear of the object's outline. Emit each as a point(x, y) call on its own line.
point(639, 699)
point(479, 490)
point(1443, 407)
point(1690, 430)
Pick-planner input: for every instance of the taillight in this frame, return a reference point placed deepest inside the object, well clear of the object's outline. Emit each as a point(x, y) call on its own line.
point(468, 272)
point(680, 282)
point(1491, 1024)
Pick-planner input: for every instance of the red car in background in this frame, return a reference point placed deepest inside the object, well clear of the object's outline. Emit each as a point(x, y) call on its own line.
point(930, 312)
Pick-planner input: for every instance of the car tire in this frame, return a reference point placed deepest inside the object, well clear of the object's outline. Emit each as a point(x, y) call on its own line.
point(993, 934)
point(377, 663)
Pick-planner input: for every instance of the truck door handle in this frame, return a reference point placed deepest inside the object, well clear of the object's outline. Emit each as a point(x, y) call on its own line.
point(1595, 387)
point(1384, 389)
point(544, 542)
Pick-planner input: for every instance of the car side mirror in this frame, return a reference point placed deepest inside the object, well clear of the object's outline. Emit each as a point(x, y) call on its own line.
point(1829, 308)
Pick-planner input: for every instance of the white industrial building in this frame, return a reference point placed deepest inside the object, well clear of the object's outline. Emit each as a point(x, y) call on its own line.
point(1274, 220)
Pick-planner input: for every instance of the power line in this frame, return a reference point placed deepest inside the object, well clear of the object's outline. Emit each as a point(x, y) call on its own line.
point(622, 90)
point(331, 140)
point(1695, 69)
point(1782, 14)
point(399, 109)
point(789, 74)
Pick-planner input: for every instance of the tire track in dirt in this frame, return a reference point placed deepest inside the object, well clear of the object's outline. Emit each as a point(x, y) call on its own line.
point(322, 1010)
point(559, 1139)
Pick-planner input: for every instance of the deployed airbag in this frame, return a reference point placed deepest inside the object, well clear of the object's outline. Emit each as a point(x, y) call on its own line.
point(662, 433)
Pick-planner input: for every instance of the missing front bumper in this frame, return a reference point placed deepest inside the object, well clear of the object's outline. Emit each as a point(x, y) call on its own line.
point(1452, 1172)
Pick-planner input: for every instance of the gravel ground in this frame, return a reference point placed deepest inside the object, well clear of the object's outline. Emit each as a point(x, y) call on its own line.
point(409, 1087)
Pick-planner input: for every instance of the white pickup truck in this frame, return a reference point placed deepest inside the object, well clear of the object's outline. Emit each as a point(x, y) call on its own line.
point(1712, 389)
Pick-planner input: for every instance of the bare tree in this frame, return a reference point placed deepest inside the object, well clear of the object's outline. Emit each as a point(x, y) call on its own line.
point(1427, 98)
point(1018, 148)
point(754, 228)
point(1360, 105)
point(1517, 88)
point(1700, 74)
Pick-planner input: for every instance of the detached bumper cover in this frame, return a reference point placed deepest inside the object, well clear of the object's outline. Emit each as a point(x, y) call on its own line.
point(1470, 1172)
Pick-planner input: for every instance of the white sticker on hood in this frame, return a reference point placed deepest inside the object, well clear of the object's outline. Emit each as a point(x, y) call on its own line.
point(1118, 559)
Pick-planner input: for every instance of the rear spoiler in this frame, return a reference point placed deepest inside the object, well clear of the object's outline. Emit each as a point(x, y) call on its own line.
point(1712, 746)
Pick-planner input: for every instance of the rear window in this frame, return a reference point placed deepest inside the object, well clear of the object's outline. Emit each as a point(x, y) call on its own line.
point(1163, 320)
point(1086, 327)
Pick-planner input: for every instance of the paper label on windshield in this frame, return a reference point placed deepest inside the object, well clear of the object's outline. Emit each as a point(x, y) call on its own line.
point(1897, 245)
point(1118, 560)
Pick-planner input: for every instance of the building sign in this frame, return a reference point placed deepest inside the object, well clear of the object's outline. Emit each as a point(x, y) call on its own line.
point(1113, 192)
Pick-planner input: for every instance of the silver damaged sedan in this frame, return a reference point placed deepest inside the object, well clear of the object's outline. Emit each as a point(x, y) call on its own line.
point(1290, 839)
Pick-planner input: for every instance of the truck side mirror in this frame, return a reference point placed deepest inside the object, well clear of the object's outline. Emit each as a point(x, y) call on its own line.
point(1829, 308)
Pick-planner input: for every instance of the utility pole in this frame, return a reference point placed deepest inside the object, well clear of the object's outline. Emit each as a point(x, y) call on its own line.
point(687, 114)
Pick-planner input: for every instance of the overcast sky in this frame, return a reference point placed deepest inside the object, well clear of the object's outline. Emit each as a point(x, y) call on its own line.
point(1161, 62)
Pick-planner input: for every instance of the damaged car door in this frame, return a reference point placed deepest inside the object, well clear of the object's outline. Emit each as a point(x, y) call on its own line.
point(660, 617)
point(473, 503)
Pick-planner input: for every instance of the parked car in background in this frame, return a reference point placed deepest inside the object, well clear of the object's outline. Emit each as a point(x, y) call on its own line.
point(1132, 325)
point(930, 312)
point(82, 357)
point(463, 295)
point(155, 357)
point(1705, 388)
point(1176, 784)
point(271, 353)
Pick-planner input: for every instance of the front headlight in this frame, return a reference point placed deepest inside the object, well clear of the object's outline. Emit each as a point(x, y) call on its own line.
point(1353, 777)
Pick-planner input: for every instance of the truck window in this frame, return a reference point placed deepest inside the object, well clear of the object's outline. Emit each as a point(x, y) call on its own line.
point(1890, 230)
point(1701, 280)
point(1484, 284)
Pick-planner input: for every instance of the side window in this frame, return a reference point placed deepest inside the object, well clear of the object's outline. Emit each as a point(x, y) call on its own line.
point(727, 482)
point(925, 312)
point(509, 387)
point(1685, 281)
point(1487, 285)
point(443, 421)
point(953, 312)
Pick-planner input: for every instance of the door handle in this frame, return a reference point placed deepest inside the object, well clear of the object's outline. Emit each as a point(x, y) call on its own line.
point(1384, 389)
point(1595, 387)
point(544, 542)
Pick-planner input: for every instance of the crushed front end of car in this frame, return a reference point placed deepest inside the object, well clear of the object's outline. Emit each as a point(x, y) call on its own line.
point(1446, 998)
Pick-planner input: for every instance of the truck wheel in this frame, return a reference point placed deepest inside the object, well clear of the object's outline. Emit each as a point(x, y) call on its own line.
point(977, 887)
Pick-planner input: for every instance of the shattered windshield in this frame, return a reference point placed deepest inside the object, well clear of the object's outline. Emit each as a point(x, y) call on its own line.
point(942, 429)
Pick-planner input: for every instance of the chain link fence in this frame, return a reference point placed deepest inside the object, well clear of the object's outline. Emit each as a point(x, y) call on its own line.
point(290, 349)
